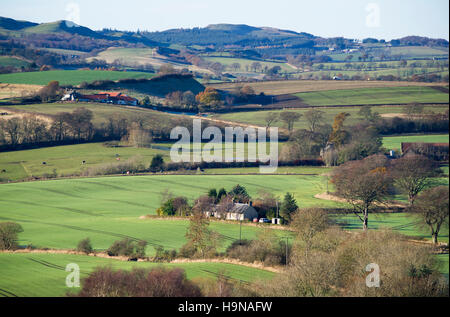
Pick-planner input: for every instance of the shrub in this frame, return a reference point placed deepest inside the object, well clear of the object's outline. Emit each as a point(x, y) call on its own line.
point(156, 282)
point(187, 251)
point(267, 249)
point(9, 234)
point(85, 246)
point(127, 247)
point(157, 163)
point(164, 255)
point(335, 266)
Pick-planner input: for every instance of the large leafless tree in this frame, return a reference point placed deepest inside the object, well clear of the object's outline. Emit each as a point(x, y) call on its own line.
point(432, 208)
point(413, 174)
point(363, 184)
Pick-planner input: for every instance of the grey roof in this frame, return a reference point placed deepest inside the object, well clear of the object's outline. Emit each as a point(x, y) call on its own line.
point(241, 208)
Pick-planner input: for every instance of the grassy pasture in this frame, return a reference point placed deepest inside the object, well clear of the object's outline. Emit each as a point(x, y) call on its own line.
point(403, 223)
point(28, 275)
point(12, 61)
point(140, 56)
point(402, 72)
point(384, 95)
point(17, 90)
point(395, 142)
point(298, 86)
point(418, 51)
point(414, 52)
point(258, 117)
point(101, 111)
point(227, 61)
point(59, 213)
point(68, 77)
point(67, 160)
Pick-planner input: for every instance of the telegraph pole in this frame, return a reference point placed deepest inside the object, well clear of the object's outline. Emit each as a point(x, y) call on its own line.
point(287, 244)
point(240, 232)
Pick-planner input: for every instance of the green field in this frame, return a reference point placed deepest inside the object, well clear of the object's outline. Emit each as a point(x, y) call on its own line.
point(44, 274)
point(403, 223)
point(418, 51)
point(401, 72)
point(59, 213)
point(12, 61)
point(410, 52)
point(393, 95)
point(227, 61)
point(258, 117)
point(68, 77)
point(133, 57)
point(101, 111)
point(395, 142)
point(67, 160)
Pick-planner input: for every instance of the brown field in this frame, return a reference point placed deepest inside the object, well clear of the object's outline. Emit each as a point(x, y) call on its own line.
point(296, 86)
point(17, 90)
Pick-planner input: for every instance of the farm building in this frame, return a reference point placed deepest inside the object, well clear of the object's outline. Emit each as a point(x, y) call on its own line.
point(103, 97)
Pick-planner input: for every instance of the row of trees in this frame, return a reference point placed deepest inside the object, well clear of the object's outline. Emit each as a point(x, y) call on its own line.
point(32, 129)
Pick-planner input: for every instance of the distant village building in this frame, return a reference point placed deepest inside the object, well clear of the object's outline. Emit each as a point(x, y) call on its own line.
point(102, 97)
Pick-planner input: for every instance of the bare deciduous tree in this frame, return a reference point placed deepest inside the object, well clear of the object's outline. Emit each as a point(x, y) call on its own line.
point(363, 184)
point(432, 208)
point(270, 118)
point(314, 117)
point(290, 118)
point(412, 174)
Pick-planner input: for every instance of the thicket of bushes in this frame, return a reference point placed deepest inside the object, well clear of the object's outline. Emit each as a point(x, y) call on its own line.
point(129, 248)
point(9, 232)
point(156, 282)
point(396, 125)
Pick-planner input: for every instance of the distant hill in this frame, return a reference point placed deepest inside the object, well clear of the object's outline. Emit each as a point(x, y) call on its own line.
point(14, 25)
point(227, 34)
point(62, 27)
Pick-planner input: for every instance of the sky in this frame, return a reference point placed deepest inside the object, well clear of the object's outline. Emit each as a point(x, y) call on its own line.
point(382, 19)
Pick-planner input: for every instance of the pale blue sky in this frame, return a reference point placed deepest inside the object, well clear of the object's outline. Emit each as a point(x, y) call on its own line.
point(385, 19)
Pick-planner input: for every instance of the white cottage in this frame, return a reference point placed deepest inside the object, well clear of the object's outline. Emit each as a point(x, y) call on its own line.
point(242, 212)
